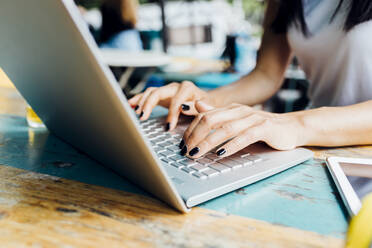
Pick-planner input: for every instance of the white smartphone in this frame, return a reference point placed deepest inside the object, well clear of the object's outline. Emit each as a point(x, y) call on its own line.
point(353, 178)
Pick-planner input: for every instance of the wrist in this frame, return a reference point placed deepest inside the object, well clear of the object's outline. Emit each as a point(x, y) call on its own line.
point(298, 125)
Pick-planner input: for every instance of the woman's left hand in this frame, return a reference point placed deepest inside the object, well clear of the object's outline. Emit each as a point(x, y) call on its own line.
point(241, 126)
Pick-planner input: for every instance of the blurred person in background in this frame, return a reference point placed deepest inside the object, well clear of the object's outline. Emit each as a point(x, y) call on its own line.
point(118, 27)
point(119, 19)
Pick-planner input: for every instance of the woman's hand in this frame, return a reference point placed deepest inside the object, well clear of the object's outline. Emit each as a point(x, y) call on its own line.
point(177, 97)
point(241, 126)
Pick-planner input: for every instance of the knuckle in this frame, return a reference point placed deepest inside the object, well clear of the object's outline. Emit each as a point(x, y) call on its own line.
point(228, 128)
point(266, 122)
point(254, 116)
point(235, 105)
point(199, 116)
point(187, 84)
point(207, 120)
point(149, 89)
point(173, 84)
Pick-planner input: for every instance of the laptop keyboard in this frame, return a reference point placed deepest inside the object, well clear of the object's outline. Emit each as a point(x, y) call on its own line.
point(165, 144)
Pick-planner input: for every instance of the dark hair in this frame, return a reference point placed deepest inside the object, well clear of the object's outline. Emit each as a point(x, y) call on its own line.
point(292, 12)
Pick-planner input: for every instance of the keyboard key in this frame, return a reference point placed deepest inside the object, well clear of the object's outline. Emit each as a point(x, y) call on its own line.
point(174, 148)
point(157, 140)
point(219, 167)
point(244, 161)
point(164, 144)
point(177, 157)
point(199, 167)
point(212, 156)
point(149, 132)
point(188, 162)
point(177, 165)
point(204, 161)
point(152, 136)
point(159, 149)
point(167, 160)
point(166, 153)
point(244, 154)
point(177, 136)
point(174, 141)
point(167, 136)
point(254, 158)
point(188, 170)
point(199, 175)
point(230, 163)
point(210, 172)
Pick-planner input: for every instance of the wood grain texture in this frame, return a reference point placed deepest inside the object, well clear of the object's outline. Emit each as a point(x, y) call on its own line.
point(44, 211)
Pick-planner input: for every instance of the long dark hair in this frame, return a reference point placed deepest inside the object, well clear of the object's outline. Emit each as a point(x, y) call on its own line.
point(292, 12)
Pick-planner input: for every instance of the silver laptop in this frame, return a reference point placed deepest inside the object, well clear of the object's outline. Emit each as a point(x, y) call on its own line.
point(49, 54)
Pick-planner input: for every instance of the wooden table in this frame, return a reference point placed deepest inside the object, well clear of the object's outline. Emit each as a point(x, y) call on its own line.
point(53, 196)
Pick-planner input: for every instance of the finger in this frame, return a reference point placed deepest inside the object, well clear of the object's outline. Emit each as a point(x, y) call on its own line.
point(150, 103)
point(225, 132)
point(201, 107)
point(196, 120)
point(191, 127)
point(213, 120)
point(188, 108)
point(183, 94)
point(155, 97)
point(134, 100)
point(143, 99)
point(242, 140)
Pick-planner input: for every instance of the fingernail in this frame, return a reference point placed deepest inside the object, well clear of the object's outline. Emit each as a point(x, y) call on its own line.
point(221, 152)
point(167, 126)
point(194, 151)
point(182, 143)
point(184, 150)
point(141, 114)
point(185, 107)
point(135, 109)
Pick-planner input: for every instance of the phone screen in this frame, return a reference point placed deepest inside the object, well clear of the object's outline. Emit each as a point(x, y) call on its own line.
point(359, 176)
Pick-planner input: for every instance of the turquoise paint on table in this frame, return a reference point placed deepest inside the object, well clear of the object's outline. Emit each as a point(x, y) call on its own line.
point(302, 197)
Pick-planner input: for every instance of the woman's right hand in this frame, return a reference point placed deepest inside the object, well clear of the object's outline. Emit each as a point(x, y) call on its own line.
point(177, 97)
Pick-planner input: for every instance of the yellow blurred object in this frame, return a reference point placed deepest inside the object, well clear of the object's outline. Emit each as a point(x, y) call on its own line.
point(4, 80)
point(32, 119)
point(360, 230)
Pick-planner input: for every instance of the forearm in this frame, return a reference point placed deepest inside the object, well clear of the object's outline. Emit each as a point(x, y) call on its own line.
point(268, 75)
point(336, 126)
point(252, 89)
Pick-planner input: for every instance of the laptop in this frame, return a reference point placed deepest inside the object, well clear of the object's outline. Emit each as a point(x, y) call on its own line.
point(50, 56)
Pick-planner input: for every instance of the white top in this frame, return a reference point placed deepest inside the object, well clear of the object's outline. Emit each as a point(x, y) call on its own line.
point(338, 64)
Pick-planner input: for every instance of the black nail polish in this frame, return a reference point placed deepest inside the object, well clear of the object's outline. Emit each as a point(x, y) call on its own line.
point(185, 107)
point(194, 151)
point(184, 150)
point(221, 152)
point(135, 109)
point(181, 144)
point(141, 114)
point(167, 126)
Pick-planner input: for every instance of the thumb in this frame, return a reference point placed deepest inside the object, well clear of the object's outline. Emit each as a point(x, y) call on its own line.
point(201, 107)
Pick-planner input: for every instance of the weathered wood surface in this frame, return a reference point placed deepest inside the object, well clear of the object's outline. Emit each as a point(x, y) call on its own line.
point(46, 211)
